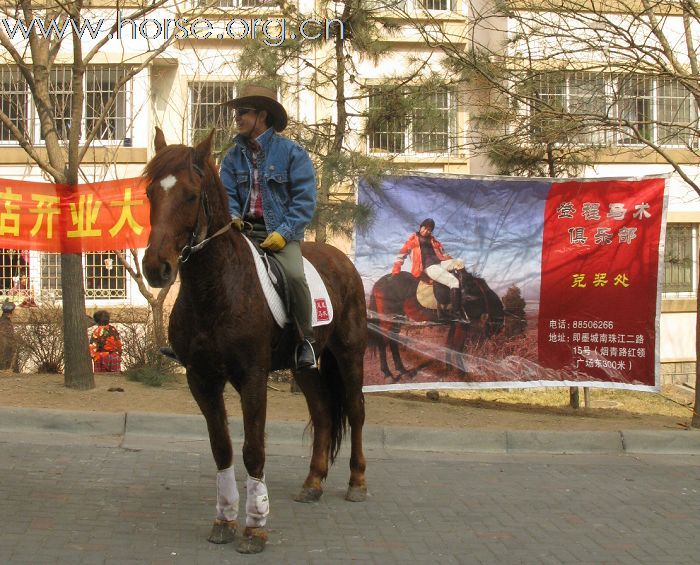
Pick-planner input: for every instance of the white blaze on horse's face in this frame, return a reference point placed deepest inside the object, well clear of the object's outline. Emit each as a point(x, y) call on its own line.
point(166, 183)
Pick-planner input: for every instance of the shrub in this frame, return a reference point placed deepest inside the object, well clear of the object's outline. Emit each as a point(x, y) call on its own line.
point(149, 376)
point(40, 340)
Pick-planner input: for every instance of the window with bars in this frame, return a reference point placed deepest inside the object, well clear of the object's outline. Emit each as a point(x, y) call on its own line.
point(206, 111)
point(100, 84)
point(61, 94)
point(235, 3)
point(14, 102)
point(408, 120)
point(576, 95)
point(657, 109)
point(105, 276)
point(680, 267)
point(436, 5)
point(14, 275)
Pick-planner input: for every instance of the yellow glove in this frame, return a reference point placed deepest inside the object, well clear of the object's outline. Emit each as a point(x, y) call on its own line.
point(274, 242)
point(237, 223)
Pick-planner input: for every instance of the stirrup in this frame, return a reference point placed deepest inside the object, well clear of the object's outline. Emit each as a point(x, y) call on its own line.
point(306, 363)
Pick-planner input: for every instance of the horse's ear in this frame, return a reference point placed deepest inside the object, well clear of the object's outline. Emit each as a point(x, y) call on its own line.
point(159, 141)
point(203, 149)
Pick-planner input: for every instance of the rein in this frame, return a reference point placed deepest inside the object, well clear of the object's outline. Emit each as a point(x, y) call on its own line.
point(193, 246)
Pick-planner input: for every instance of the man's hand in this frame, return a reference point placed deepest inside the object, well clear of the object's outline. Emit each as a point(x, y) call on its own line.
point(274, 242)
point(237, 223)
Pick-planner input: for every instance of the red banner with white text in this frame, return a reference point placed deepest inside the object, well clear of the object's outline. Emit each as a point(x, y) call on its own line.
point(71, 219)
point(600, 263)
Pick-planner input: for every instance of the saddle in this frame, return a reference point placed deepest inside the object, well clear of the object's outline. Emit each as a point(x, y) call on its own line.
point(431, 294)
point(274, 285)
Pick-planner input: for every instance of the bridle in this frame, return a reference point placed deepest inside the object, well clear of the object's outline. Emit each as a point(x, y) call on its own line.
point(193, 246)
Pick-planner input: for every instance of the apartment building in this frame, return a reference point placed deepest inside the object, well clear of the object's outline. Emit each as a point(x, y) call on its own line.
point(182, 87)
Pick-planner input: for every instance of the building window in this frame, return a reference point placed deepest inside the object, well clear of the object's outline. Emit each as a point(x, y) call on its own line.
point(410, 120)
point(680, 266)
point(100, 84)
point(50, 277)
point(579, 104)
point(234, 3)
point(206, 111)
point(61, 94)
point(561, 105)
point(14, 102)
point(14, 275)
point(105, 276)
point(435, 5)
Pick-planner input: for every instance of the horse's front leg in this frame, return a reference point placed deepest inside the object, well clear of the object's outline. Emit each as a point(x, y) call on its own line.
point(210, 398)
point(254, 404)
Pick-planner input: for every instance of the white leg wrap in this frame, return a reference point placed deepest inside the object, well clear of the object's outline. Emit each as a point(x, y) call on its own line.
point(257, 505)
point(226, 495)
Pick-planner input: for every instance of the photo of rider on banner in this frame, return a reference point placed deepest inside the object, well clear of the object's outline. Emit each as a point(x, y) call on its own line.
point(453, 270)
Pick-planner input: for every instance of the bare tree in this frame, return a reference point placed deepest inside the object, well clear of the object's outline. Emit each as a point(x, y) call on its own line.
point(604, 77)
point(354, 107)
point(64, 143)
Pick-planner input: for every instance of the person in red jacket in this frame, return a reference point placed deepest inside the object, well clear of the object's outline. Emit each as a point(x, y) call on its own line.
point(428, 256)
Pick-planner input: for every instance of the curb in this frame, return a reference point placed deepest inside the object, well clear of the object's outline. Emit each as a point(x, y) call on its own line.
point(142, 425)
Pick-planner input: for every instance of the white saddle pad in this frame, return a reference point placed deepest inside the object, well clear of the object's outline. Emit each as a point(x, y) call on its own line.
point(321, 307)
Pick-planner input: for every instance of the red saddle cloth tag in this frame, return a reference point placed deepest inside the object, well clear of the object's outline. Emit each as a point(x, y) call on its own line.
point(321, 310)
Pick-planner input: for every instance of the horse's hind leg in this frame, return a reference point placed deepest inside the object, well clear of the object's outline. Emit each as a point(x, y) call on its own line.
point(317, 397)
point(209, 397)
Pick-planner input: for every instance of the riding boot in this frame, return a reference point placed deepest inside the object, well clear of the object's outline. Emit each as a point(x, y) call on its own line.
point(456, 304)
point(304, 356)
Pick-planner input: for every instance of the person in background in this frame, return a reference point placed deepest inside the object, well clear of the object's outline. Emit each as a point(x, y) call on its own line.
point(105, 345)
point(8, 343)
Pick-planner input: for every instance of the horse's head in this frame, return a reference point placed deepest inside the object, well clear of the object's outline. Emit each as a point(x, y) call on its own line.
point(179, 207)
point(480, 302)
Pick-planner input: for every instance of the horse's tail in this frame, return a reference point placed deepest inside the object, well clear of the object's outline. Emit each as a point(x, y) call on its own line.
point(330, 374)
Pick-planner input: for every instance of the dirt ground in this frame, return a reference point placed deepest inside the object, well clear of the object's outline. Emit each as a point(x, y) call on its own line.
point(503, 409)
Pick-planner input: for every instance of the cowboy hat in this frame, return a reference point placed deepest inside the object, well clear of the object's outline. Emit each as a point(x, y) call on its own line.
point(261, 98)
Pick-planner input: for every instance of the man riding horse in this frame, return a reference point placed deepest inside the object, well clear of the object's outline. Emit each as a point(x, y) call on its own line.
point(271, 185)
point(428, 256)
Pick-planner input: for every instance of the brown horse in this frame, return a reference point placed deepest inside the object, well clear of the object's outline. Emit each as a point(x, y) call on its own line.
point(223, 331)
point(393, 302)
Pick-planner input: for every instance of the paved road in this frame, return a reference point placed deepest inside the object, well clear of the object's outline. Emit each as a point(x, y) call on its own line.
point(75, 499)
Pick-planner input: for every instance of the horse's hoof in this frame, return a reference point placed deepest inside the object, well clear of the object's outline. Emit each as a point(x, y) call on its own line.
point(356, 494)
point(223, 532)
point(252, 541)
point(309, 495)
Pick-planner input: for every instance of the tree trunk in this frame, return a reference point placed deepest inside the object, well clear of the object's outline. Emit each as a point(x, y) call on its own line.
point(574, 401)
point(78, 366)
point(695, 421)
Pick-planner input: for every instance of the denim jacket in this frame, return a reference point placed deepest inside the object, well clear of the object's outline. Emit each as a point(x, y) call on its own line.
point(287, 183)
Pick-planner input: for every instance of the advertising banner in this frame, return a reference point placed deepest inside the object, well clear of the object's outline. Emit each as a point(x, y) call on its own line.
point(103, 216)
point(486, 282)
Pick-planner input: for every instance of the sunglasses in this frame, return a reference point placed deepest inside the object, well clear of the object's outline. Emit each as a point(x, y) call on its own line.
point(244, 111)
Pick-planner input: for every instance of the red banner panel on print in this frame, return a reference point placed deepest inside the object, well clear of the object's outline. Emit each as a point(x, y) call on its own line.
point(600, 265)
point(90, 217)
